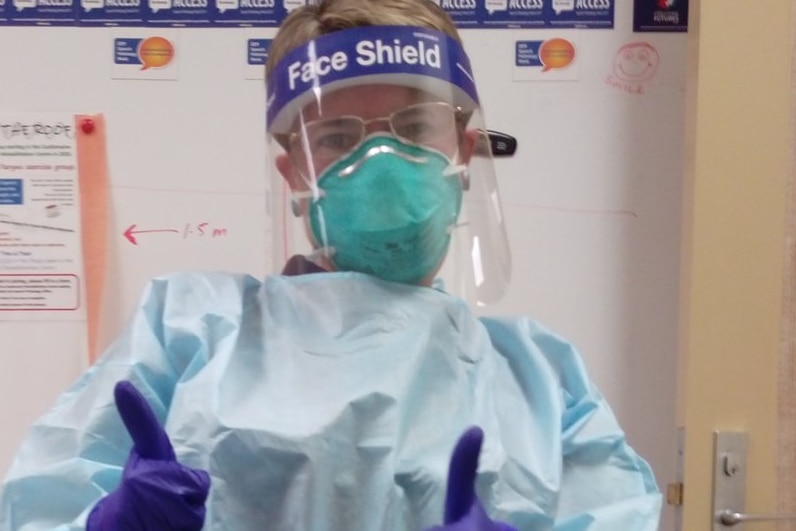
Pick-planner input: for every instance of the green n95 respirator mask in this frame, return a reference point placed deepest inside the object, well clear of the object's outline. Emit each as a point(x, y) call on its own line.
point(387, 209)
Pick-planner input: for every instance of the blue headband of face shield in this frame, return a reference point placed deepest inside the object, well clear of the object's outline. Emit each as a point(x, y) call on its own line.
point(399, 55)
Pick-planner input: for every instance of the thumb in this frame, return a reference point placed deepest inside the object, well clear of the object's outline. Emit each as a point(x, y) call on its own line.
point(461, 475)
point(149, 438)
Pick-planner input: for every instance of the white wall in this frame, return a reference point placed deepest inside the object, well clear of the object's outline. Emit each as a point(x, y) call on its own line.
point(592, 199)
point(180, 152)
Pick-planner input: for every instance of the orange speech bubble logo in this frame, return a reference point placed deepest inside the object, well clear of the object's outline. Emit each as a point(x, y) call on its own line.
point(556, 53)
point(155, 52)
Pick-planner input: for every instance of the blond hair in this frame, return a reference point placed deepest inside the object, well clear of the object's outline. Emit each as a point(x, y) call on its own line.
point(311, 21)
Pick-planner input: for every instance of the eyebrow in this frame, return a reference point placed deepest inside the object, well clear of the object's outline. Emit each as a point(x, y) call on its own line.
point(334, 121)
point(411, 111)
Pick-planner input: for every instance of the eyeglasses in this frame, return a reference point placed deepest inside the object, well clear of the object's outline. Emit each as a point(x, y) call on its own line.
point(424, 124)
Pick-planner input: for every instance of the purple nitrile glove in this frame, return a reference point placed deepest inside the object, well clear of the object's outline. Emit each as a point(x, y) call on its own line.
point(156, 491)
point(463, 510)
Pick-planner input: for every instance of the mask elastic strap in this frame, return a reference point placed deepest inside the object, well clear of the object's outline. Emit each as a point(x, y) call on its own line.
point(314, 192)
point(454, 169)
point(325, 249)
point(295, 197)
point(325, 252)
point(458, 169)
point(309, 194)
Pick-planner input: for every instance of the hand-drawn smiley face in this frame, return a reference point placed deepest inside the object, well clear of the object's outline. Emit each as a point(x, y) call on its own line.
point(636, 62)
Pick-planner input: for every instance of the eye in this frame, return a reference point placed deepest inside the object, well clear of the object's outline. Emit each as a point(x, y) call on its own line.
point(424, 123)
point(339, 141)
point(333, 137)
point(418, 130)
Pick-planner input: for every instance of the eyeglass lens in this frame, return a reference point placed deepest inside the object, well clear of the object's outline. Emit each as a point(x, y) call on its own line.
point(422, 124)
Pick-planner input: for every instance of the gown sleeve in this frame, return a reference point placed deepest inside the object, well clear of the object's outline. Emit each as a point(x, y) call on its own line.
point(74, 455)
point(603, 484)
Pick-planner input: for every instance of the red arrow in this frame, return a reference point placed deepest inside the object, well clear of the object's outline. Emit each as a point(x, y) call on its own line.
point(130, 232)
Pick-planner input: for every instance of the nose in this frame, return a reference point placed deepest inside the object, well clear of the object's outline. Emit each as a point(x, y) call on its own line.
point(377, 125)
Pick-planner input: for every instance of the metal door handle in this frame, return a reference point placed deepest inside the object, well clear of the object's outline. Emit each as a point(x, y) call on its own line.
point(730, 518)
point(729, 484)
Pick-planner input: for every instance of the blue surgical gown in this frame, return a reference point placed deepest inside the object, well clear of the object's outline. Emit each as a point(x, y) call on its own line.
point(331, 402)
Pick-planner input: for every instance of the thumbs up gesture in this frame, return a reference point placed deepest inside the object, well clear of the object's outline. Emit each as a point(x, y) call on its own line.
point(156, 491)
point(463, 510)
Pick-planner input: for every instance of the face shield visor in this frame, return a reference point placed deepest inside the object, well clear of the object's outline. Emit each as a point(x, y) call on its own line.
point(383, 161)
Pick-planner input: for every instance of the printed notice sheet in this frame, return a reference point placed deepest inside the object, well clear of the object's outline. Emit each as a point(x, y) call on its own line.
point(41, 264)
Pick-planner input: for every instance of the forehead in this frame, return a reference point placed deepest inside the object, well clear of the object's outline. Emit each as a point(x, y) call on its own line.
point(366, 101)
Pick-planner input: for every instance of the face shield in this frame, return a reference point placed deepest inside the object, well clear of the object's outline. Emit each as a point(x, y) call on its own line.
point(383, 161)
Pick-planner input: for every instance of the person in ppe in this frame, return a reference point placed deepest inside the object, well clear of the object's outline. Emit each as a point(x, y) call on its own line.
point(358, 390)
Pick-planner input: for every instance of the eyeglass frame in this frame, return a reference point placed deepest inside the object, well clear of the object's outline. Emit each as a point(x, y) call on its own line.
point(460, 119)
